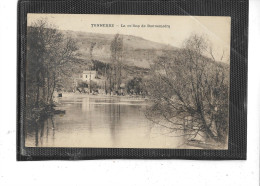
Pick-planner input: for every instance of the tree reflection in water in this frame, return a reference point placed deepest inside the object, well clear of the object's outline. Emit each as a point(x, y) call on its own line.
point(105, 122)
point(39, 127)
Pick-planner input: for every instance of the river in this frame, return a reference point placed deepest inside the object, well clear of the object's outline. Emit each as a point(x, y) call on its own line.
point(96, 121)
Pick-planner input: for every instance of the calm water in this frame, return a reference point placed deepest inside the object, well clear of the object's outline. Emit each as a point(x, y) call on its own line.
point(93, 121)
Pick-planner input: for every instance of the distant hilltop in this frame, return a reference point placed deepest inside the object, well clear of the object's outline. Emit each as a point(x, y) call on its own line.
point(137, 51)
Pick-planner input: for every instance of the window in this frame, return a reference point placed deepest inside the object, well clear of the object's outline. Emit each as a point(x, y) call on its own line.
point(86, 76)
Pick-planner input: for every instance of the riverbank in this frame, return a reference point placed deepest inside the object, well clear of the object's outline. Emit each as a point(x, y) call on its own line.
point(71, 95)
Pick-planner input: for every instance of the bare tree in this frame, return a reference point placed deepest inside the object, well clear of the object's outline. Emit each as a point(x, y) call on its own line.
point(190, 93)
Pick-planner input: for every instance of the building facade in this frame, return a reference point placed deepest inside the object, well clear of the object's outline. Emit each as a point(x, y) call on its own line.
point(89, 75)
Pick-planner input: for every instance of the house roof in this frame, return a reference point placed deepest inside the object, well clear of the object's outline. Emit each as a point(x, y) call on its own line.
point(89, 71)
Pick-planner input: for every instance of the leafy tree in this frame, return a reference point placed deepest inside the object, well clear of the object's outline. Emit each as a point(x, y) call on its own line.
point(115, 72)
point(134, 86)
point(49, 59)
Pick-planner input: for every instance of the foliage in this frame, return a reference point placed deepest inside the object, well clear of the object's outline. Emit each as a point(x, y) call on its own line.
point(115, 72)
point(49, 59)
point(134, 86)
point(83, 85)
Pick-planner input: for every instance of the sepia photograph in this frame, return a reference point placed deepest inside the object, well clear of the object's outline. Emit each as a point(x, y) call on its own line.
point(127, 81)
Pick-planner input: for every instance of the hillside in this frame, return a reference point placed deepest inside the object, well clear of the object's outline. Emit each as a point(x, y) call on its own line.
point(136, 50)
point(138, 55)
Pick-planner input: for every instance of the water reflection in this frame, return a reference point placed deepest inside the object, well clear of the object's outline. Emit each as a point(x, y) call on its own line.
point(98, 122)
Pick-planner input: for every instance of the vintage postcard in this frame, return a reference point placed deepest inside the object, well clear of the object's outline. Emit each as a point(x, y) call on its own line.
point(127, 81)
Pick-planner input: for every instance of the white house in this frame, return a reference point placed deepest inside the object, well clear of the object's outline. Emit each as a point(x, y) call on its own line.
point(89, 75)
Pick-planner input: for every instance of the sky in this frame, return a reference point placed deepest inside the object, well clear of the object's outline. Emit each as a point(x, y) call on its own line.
point(179, 28)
